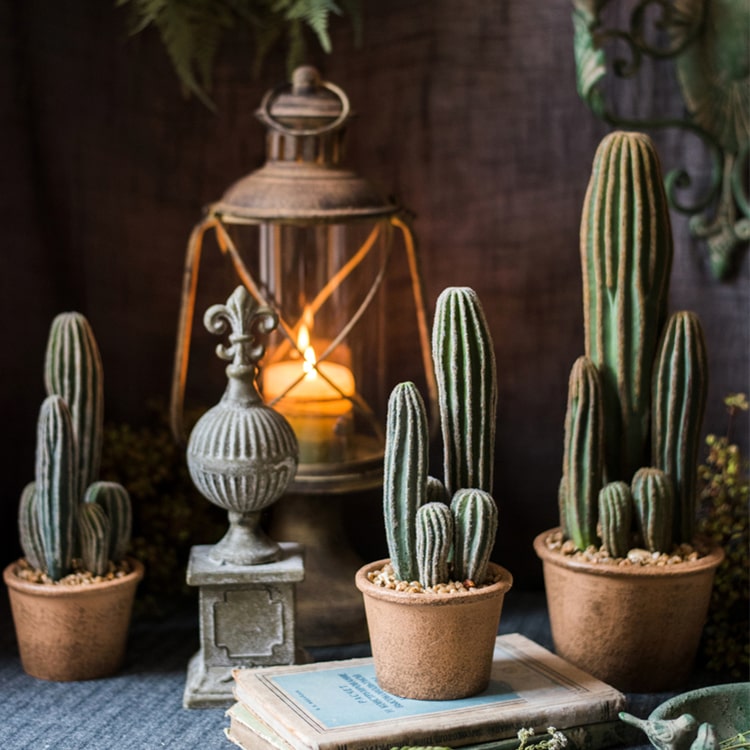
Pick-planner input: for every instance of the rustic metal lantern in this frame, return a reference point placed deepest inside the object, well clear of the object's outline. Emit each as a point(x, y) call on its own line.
point(311, 240)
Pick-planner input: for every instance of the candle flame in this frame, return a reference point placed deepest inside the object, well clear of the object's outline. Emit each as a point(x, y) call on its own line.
point(303, 344)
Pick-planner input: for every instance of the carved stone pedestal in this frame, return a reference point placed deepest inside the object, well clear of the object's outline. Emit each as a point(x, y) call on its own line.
point(247, 619)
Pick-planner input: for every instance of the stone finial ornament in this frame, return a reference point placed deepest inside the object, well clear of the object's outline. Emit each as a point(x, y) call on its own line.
point(241, 454)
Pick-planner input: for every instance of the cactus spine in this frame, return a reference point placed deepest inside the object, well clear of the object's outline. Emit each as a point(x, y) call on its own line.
point(73, 370)
point(434, 524)
point(653, 499)
point(464, 359)
point(616, 517)
point(475, 523)
point(405, 476)
point(94, 531)
point(52, 524)
point(428, 539)
point(55, 486)
point(582, 454)
point(679, 401)
point(626, 258)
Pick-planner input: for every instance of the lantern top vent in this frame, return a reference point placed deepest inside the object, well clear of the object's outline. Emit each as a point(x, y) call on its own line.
point(302, 179)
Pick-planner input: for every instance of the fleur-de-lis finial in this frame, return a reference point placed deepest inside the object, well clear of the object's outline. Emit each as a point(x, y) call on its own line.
point(248, 323)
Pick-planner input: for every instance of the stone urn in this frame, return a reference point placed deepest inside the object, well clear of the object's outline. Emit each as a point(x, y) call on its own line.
point(242, 454)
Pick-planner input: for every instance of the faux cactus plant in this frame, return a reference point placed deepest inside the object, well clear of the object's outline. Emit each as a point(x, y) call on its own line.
point(64, 513)
point(437, 531)
point(643, 380)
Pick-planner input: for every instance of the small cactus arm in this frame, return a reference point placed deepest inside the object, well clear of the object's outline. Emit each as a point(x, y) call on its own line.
point(94, 532)
point(464, 359)
point(56, 502)
point(680, 384)
point(475, 526)
point(583, 454)
point(434, 539)
point(653, 500)
point(626, 260)
point(404, 476)
point(616, 517)
point(436, 491)
point(28, 527)
point(73, 370)
point(115, 501)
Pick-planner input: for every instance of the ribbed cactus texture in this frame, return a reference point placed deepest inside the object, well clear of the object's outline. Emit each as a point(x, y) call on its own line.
point(56, 501)
point(115, 502)
point(616, 517)
point(53, 523)
point(475, 526)
point(680, 383)
point(465, 371)
point(73, 370)
point(436, 491)
point(626, 258)
point(583, 454)
point(28, 527)
point(405, 476)
point(434, 539)
point(653, 498)
point(94, 535)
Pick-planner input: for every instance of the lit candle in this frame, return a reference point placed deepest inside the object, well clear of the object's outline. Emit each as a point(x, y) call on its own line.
point(318, 406)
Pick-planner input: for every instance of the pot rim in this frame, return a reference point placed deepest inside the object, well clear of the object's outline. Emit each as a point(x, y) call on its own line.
point(669, 708)
point(12, 581)
point(709, 561)
point(427, 597)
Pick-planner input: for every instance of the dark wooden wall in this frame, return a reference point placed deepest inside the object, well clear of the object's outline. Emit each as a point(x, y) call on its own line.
point(468, 113)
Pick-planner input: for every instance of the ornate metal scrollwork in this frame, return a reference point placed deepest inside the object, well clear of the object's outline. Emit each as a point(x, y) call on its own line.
point(708, 42)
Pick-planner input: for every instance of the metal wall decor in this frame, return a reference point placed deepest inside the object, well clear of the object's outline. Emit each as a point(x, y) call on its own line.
point(708, 43)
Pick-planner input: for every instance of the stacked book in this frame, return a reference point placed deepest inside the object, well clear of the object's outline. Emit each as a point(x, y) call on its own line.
point(339, 706)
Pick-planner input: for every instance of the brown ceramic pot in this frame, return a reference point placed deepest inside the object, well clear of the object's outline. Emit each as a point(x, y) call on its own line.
point(72, 632)
point(635, 628)
point(433, 646)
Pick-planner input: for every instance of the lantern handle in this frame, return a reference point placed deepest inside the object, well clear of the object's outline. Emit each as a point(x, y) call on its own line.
point(264, 111)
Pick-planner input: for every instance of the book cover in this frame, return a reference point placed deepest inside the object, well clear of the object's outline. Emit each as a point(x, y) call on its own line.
point(334, 705)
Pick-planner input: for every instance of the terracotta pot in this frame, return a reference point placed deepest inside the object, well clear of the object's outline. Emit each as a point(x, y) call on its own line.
point(637, 628)
point(433, 646)
point(72, 632)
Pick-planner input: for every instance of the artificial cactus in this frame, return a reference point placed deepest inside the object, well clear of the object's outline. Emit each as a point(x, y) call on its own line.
point(616, 517)
point(680, 383)
point(653, 500)
point(56, 502)
point(475, 524)
point(465, 371)
point(428, 539)
point(626, 259)
point(583, 454)
point(434, 526)
point(115, 502)
point(73, 370)
point(94, 535)
point(405, 475)
point(53, 524)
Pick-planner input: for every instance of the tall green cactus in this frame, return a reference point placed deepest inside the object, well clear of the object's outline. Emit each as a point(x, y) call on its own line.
point(56, 502)
point(616, 517)
point(626, 259)
point(405, 476)
point(465, 371)
point(583, 454)
point(653, 499)
point(434, 525)
point(53, 524)
point(680, 383)
point(475, 524)
point(73, 370)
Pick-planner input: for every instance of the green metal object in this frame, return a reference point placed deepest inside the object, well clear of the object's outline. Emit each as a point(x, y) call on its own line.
point(706, 43)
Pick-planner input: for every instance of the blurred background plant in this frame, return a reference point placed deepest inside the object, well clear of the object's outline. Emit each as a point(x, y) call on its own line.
point(169, 514)
point(192, 31)
point(724, 494)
